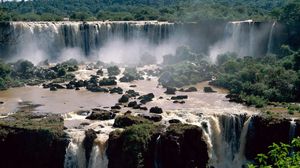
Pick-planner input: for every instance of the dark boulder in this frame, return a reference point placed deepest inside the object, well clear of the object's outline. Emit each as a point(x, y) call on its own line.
point(97, 89)
point(180, 97)
point(52, 88)
point(124, 99)
point(100, 72)
point(152, 117)
point(128, 120)
point(115, 107)
point(100, 114)
point(174, 121)
point(88, 142)
point(170, 90)
point(69, 86)
point(107, 82)
point(156, 110)
point(132, 93)
point(143, 108)
point(132, 104)
point(146, 98)
point(190, 89)
point(116, 90)
point(183, 146)
point(208, 90)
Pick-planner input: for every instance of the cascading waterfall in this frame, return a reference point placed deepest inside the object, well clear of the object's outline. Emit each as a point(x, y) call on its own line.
point(52, 38)
point(75, 153)
point(227, 136)
point(245, 38)
point(292, 130)
point(270, 41)
point(240, 36)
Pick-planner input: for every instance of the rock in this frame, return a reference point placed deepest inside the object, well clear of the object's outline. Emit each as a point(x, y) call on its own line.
point(88, 143)
point(128, 112)
point(77, 88)
point(116, 90)
point(107, 82)
point(265, 131)
point(132, 104)
point(69, 86)
point(156, 110)
point(80, 83)
point(208, 90)
point(115, 107)
point(143, 108)
point(179, 97)
point(190, 89)
point(97, 89)
point(152, 117)
point(100, 72)
point(160, 97)
point(101, 115)
point(137, 106)
point(82, 112)
point(128, 120)
point(180, 102)
point(52, 88)
point(127, 78)
point(132, 93)
point(174, 121)
point(132, 86)
point(183, 140)
point(146, 98)
point(1, 102)
point(170, 90)
point(124, 99)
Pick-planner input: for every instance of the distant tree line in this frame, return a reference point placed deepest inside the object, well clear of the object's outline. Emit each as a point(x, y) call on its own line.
point(171, 10)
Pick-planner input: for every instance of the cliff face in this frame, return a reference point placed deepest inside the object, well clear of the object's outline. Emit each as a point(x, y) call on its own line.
point(27, 140)
point(31, 148)
point(180, 146)
point(264, 131)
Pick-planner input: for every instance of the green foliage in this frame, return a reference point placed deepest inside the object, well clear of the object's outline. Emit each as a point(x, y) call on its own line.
point(113, 71)
point(135, 141)
point(182, 10)
point(259, 80)
point(280, 156)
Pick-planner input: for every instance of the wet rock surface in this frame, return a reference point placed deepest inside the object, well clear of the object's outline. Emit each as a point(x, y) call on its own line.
point(100, 114)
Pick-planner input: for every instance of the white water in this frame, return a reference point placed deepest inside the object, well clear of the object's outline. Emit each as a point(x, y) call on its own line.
point(75, 152)
point(245, 38)
point(227, 137)
point(292, 130)
point(271, 38)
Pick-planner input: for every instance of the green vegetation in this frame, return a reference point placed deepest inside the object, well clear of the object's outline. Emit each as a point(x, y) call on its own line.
point(52, 124)
point(131, 74)
point(280, 156)
point(113, 71)
point(260, 80)
point(24, 72)
point(185, 68)
point(133, 142)
point(172, 10)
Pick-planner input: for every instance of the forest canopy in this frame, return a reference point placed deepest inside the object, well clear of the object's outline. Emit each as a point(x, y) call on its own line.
point(170, 10)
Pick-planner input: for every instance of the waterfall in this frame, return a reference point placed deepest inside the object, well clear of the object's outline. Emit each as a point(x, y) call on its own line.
point(51, 39)
point(292, 130)
point(75, 153)
point(157, 163)
point(270, 41)
point(227, 135)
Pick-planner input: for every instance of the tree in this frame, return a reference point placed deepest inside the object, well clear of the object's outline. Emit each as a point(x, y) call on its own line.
point(280, 156)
